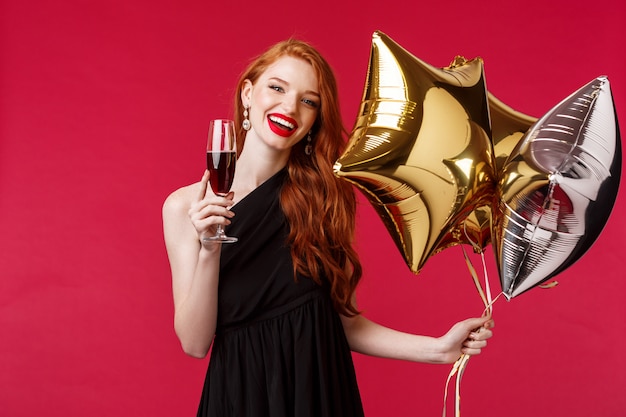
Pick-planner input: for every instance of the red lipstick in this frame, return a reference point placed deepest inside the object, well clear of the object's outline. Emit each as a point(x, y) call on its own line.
point(281, 125)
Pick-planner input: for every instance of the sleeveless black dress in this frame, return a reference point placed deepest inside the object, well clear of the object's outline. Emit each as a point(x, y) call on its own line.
point(279, 349)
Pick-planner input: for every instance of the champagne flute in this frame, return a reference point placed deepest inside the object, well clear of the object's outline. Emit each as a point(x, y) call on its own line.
point(221, 155)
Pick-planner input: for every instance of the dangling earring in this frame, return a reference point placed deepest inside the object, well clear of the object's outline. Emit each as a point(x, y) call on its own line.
point(246, 123)
point(308, 149)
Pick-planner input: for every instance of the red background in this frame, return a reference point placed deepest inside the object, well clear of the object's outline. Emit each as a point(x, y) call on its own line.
point(103, 112)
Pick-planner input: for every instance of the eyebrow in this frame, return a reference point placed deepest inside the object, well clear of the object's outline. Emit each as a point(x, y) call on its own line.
point(315, 93)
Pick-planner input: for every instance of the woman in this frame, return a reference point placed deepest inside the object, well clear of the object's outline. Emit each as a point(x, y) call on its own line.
point(277, 306)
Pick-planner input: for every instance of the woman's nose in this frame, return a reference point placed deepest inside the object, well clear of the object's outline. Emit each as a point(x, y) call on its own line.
point(289, 104)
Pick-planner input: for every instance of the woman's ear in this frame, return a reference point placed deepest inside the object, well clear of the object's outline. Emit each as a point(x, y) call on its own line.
point(246, 93)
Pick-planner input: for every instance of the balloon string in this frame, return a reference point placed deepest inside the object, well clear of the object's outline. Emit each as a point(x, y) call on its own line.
point(459, 366)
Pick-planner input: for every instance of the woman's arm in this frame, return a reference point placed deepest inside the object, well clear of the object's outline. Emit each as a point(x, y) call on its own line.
point(189, 214)
point(468, 336)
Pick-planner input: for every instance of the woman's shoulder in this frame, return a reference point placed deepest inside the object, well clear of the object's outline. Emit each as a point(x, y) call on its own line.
point(180, 200)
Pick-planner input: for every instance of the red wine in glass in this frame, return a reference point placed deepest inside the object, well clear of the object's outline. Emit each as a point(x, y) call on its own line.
point(221, 165)
point(221, 155)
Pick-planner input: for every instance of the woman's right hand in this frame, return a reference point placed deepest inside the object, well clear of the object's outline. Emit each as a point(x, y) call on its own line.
point(208, 210)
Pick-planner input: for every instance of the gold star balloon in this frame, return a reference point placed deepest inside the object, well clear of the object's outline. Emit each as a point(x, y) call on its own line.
point(420, 149)
point(508, 126)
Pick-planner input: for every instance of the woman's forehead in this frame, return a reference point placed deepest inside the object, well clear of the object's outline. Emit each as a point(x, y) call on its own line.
point(291, 69)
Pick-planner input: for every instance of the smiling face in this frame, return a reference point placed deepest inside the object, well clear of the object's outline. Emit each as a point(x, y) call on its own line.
point(284, 103)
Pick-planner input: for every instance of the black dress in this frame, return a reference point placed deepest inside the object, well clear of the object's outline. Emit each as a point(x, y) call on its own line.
point(279, 349)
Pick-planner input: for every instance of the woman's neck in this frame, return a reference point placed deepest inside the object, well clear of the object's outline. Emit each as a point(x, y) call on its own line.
point(255, 165)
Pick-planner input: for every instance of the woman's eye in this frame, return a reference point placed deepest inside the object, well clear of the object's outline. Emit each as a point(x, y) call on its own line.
point(277, 88)
point(309, 102)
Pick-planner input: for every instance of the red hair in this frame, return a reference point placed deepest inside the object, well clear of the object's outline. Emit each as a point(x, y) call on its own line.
point(319, 207)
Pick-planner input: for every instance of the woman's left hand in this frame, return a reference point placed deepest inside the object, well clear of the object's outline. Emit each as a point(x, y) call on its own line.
point(466, 337)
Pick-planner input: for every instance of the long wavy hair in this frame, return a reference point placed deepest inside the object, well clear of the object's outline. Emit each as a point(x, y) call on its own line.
point(319, 207)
